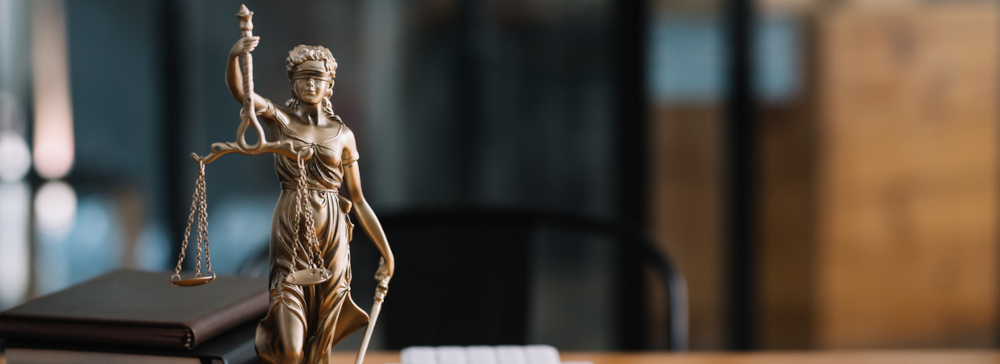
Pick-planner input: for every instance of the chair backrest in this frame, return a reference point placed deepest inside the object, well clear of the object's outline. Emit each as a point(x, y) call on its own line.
point(463, 277)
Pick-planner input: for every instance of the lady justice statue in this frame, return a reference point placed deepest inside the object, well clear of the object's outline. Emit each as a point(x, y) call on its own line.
point(311, 309)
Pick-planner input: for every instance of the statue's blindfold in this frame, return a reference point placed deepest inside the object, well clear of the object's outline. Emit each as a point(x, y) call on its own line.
point(316, 75)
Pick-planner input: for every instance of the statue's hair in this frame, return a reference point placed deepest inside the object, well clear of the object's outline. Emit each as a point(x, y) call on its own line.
point(302, 53)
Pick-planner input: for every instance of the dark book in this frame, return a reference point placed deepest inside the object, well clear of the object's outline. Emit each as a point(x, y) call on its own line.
point(235, 346)
point(137, 308)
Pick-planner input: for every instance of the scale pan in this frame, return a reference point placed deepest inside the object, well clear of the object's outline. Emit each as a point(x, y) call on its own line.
point(309, 277)
point(193, 281)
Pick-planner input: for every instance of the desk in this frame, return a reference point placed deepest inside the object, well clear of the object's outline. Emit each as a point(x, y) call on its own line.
point(818, 357)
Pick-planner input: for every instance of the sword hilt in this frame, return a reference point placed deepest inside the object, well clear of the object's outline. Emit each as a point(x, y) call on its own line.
point(381, 289)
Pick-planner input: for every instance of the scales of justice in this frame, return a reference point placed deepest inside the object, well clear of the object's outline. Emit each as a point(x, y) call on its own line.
point(311, 309)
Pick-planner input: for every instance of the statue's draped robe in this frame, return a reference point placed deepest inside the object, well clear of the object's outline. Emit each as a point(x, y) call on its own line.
point(326, 311)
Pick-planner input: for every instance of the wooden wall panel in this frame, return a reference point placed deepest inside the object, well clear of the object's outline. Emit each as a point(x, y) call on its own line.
point(686, 214)
point(907, 180)
point(786, 208)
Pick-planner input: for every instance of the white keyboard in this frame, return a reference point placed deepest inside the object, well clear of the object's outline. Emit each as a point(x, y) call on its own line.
point(531, 354)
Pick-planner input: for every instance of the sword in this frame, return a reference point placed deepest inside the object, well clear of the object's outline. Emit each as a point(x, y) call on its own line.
point(380, 291)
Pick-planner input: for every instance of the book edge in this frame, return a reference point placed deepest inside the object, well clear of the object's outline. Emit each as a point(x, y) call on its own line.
point(203, 328)
point(171, 336)
point(35, 355)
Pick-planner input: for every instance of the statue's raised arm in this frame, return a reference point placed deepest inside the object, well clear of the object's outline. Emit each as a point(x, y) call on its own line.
point(248, 117)
point(234, 75)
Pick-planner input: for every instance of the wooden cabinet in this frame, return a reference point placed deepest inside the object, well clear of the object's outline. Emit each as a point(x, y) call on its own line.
point(878, 201)
point(906, 186)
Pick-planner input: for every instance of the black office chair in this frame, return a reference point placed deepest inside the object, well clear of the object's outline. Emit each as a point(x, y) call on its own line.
point(463, 277)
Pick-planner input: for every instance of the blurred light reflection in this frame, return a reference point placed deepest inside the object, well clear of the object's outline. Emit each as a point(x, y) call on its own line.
point(53, 147)
point(15, 157)
point(14, 256)
point(55, 209)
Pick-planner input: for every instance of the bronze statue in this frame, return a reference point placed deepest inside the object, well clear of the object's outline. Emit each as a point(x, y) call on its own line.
point(311, 309)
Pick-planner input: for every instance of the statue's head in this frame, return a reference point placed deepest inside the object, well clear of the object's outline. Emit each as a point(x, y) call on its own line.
point(311, 70)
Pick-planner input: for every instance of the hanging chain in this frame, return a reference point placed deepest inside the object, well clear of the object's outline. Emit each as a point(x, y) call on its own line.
point(197, 199)
point(303, 209)
point(203, 222)
point(201, 217)
point(315, 258)
point(299, 198)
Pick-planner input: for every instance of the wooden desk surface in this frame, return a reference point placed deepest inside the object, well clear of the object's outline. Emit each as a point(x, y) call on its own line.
point(818, 357)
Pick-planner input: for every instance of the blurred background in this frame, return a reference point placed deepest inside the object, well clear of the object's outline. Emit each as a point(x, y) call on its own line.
point(824, 174)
